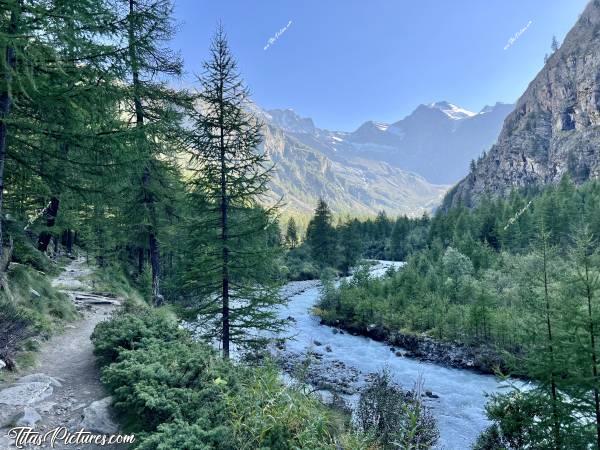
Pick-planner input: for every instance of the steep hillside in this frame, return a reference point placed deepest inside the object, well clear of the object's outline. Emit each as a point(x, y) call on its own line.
point(555, 127)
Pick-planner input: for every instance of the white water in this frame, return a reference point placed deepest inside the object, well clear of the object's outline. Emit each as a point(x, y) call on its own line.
point(459, 410)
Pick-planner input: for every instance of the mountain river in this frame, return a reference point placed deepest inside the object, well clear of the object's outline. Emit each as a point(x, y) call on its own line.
point(342, 360)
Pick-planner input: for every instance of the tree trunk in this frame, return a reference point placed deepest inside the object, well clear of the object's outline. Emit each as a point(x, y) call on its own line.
point(224, 240)
point(140, 257)
point(157, 298)
point(5, 107)
point(592, 332)
point(553, 390)
point(69, 244)
point(50, 213)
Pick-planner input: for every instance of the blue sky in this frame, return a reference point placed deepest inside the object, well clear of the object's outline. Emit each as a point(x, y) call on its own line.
point(342, 62)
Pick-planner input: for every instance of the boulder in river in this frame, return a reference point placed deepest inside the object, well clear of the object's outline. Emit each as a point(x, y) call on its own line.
point(431, 394)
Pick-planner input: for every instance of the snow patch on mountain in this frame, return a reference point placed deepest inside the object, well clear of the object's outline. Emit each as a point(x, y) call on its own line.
point(452, 111)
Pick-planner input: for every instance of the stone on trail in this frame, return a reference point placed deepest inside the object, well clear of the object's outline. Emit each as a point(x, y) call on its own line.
point(23, 394)
point(8, 415)
point(41, 377)
point(97, 417)
point(6, 442)
point(29, 418)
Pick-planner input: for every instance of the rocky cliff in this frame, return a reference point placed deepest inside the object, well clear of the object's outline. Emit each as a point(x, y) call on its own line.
point(555, 127)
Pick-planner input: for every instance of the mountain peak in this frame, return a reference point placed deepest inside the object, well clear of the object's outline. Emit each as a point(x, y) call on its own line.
point(381, 126)
point(289, 120)
point(487, 108)
point(451, 110)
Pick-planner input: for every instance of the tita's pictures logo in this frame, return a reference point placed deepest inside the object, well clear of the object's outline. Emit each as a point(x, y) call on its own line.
point(27, 437)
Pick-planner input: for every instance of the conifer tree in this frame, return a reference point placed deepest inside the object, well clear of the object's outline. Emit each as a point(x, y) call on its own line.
point(351, 247)
point(291, 235)
point(398, 238)
point(586, 282)
point(233, 264)
point(546, 355)
point(155, 111)
point(9, 34)
point(59, 60)
point(321, 236)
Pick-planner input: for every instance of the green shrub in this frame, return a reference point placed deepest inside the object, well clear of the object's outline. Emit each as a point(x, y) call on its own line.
point(396, 419)
point(25, 252)
point(182, 435)
point(176, 393)
point(127, 331)
point(266, 414)
point(298, 265)
point(166, 381)
point(524, 419)
point(16, 326)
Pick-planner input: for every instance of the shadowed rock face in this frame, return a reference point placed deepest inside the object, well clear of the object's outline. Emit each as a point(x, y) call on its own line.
point(555, 127)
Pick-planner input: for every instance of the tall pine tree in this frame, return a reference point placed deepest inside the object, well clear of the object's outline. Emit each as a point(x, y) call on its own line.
point(233, 262)
point(321, 236)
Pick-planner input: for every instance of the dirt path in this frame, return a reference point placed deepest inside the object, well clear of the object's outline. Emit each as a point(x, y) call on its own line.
point(59, 390)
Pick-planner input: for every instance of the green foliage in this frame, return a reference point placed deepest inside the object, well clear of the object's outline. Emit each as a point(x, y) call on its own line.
point(176, 393)
point(291, 235)
point(180, 434)
point(517, 276)
point(16, 325)
point(321, 237)
point(522, 419)
point(264, 415)
point(48, 308)
point(29, 306)
point(342, 246)
point(165, 381)
point(397, 419)
point(131, 331)
point(231, 278)
point(299, 265)
point(25, 253)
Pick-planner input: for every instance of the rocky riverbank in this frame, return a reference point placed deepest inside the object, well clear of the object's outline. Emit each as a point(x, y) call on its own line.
point(480, 359)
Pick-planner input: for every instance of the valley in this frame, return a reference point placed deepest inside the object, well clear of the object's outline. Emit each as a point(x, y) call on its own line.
point(184, 266)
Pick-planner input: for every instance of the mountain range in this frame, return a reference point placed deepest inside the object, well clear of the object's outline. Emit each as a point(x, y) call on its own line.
point(404, 167)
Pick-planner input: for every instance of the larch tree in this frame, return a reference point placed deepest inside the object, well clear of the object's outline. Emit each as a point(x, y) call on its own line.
point(57, 76)
point(546, 358)
point(155, 112)
point(232, 276)
point(11, 16)
point(586, 284)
